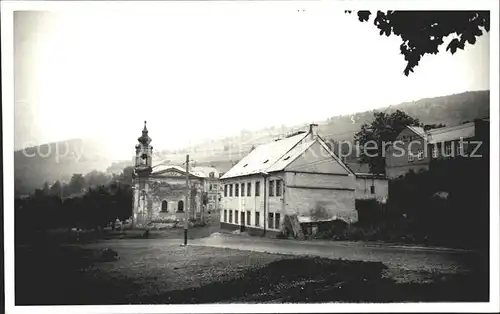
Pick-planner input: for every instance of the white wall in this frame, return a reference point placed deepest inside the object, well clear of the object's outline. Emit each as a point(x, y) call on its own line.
point(250, 203)
point(363, 188)
point(306, 193)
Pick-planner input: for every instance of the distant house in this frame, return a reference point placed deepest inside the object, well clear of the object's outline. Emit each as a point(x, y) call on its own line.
point(297, 175)
point(211, 186)
point(372, 186)
point(368, 185)
point(418, 147)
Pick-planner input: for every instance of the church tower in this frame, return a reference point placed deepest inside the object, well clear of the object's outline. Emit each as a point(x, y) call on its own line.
point(143, 154)
point(142, 203)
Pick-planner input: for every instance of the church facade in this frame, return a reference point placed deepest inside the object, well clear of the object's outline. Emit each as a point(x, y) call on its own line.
point(160, 192)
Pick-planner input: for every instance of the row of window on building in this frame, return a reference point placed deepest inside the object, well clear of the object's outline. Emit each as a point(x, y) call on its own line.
point(275, 189)
point(273, 219)
point(435, 152)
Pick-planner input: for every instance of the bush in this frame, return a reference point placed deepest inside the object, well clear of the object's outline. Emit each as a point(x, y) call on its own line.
point(331, 230)
point(371, 211)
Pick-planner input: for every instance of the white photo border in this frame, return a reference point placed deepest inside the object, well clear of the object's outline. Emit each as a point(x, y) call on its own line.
point(247, 7)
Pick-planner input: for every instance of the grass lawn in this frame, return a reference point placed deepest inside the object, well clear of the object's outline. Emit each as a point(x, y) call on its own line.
point(172, 274)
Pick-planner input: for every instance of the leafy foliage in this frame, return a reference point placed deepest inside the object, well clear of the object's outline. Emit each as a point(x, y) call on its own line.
point(372, 137)
point(422, 32)
point(460, 219)
point(90, 201)
point(97, 208)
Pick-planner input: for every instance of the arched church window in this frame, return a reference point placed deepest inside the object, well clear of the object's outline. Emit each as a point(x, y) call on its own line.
point(164, 206)
point(180, 206)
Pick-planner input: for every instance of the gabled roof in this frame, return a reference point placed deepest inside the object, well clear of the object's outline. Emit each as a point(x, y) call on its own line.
point(466, 130)
point(446, 134)
point(277, 155)
point(418, 130)
point(158, 170)
point(205, 171)
point(358, 167)
point(290, 156)
point(264, 157)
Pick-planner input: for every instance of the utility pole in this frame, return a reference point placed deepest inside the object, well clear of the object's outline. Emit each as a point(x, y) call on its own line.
point(186, 214)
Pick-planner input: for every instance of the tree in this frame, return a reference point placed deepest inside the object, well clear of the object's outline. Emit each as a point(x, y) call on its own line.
point(383, 129)
point(422, 32)
point(77, 183)
point(127, 175)
point(45, 189)
point(56, 189)
point(96, 178)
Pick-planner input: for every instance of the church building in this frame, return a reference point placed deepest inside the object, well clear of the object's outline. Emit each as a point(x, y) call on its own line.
point(160, 191)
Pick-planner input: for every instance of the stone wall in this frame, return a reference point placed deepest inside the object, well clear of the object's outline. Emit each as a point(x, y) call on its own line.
point(364, 191)
point(173, 191)
point(321, 204)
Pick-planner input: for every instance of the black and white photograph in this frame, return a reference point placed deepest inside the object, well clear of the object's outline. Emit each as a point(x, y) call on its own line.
point(250, 156)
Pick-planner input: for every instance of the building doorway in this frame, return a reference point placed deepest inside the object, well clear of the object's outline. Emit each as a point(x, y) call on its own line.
point(242, 221)
point(180, 206)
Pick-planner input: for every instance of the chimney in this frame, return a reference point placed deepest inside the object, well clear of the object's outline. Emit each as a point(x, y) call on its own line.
point(313, 130)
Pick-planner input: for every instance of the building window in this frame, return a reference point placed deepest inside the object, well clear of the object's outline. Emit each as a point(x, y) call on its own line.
point(230, 190)
point(435, 152)
point(448, 149)
point(225, 215)
point(372, 189)
point(164, 207)
point(210, 187)
point(420, 154)
point(257, 219)
point(410, 156)
point(236, 189)
point(212, 175)
point(257, 188)
point(235, 216)
point(249, 189)
point(271, 188)
point(225, 190)
point(231, 216)
point(278, 188)
point(276, 221)
point(249, 216)
point(460, 148)
point(180, 206)
point(270, 221)
point(243, 189)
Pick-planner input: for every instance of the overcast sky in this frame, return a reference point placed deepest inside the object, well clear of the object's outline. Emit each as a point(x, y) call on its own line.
point(210, 73)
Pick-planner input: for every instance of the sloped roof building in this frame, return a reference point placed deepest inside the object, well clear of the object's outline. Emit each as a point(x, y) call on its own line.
point(418, 148)
point(298, 175)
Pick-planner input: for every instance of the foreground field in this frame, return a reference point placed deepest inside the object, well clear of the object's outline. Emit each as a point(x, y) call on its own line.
point(166, 273)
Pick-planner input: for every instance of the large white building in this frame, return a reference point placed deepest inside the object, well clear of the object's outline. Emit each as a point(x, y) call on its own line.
point(298, 175)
